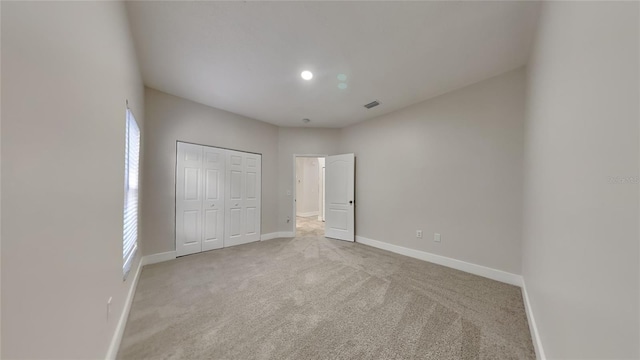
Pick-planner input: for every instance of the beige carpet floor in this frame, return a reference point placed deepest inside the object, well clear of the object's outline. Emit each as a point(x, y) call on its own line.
point(316, 298)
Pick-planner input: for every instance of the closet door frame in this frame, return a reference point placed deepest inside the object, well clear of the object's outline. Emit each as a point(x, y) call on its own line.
point(201, 183)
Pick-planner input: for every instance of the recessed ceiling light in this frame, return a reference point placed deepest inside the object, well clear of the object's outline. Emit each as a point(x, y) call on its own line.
point(342, 86)
point(342, 77)
point(307, 75)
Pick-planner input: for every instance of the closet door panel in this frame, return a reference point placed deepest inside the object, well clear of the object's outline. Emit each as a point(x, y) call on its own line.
point(213, 168)
point(235, 186)
point(218, 194)
point(235, 221)
point(252, 198)
point(243, 198)
point(234, 217)
point(189, 195)
point(250, 226)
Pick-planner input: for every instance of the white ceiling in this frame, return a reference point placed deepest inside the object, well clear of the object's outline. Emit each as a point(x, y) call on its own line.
point(246, 57)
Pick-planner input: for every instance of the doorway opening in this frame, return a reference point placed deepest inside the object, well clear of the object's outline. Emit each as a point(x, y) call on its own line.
point(309, 200)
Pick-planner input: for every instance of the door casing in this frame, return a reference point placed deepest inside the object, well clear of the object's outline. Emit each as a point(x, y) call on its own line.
point(293, 187)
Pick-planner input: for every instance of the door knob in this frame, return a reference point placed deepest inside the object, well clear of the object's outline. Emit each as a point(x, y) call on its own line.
point(212, 205)
point(236, 204)
point(350, 201)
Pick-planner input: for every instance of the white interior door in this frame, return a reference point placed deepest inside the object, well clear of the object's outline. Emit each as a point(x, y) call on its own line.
point(213, 177)
point(321, 189)
point(243, 194)
point(339, 197)
point(324, 206)
point(189, 199)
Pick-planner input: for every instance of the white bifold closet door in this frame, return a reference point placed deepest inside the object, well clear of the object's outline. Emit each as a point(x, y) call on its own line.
point(242, 220)
point(213, 177)
point(189, 199)
point(206, 215)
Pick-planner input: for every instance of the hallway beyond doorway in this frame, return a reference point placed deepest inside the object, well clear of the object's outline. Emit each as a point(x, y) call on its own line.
point(309, 226)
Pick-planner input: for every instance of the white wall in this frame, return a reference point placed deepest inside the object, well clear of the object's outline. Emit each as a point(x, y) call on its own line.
point(299, 173)
point(67, 69)
point(473, 138)
point(171, 118)
point(301, 141)
point(580, 239)
point(311, 186)
point(451, 165)
point(307, 187)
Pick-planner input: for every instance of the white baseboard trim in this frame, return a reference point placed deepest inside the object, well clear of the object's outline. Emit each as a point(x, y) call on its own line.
point(122, 322)
point(307, 214)
point(276, 235)
point(475, 269)
point(269, 236)
point(156, 258)
point(533, 328)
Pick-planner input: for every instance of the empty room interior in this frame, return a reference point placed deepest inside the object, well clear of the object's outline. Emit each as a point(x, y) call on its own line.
point(320, 180)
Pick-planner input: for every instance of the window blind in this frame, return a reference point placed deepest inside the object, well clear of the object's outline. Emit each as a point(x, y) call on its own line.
point(131, 172)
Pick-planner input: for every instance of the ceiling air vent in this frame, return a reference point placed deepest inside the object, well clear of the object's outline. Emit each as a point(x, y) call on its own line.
point(372, 104)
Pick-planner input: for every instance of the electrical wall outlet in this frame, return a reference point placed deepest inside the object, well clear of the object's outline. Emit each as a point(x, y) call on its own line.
point(419, 234)
point(436, 237)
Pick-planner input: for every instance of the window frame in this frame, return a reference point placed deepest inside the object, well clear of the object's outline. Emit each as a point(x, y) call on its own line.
point(131, 213)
